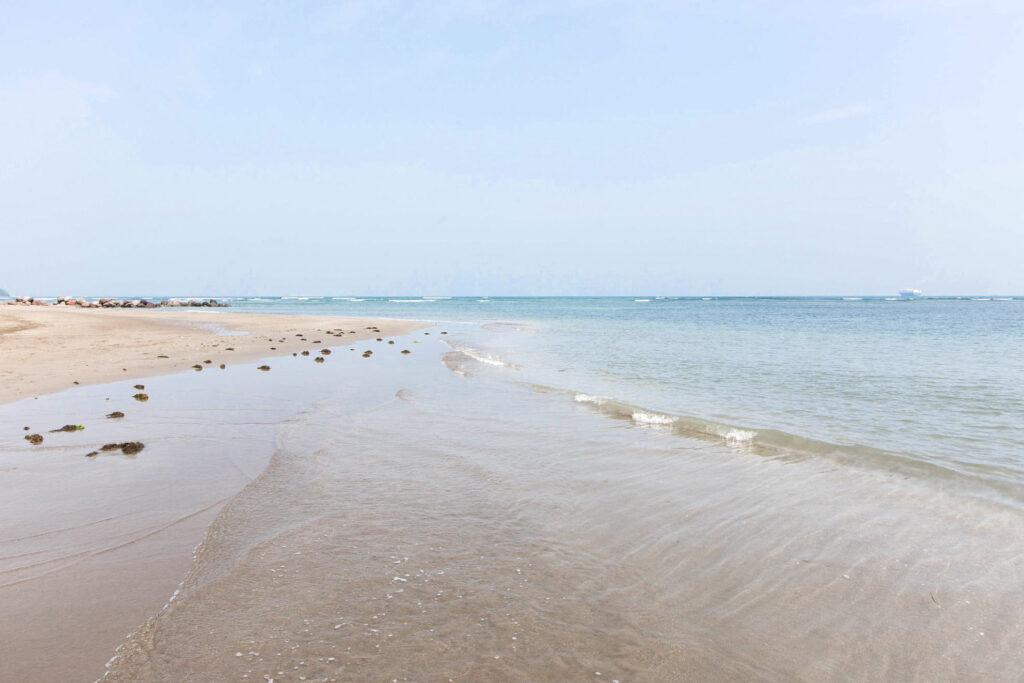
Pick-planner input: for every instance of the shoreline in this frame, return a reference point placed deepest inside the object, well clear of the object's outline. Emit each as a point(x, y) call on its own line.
point(48, 349)
point(91, 547)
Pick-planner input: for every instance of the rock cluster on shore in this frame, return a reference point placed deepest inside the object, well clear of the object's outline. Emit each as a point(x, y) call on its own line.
point(115, 303)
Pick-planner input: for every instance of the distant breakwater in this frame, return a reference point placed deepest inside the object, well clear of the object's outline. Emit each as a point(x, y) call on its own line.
point(118, 303)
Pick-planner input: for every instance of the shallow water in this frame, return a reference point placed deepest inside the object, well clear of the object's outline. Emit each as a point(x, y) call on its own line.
point(933, 386)
point(425, 524)
point(601, 495)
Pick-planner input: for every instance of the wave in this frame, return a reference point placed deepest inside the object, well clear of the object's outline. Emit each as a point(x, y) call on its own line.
point(411, 301)
point(777, 444)
point(462, 355)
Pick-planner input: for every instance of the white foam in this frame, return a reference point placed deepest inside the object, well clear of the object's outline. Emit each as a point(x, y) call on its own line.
point(411, 301)
point(482, 357)
point(641, 299)
point(739, 436)
point(653, 419)
point(587, 398)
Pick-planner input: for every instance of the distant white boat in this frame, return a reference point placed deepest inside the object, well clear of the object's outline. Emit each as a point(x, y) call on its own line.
point(910, 293)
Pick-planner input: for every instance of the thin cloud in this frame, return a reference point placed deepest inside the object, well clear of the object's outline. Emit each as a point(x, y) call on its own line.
point(838, 114)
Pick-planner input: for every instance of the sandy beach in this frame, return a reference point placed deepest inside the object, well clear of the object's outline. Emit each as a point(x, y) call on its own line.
point(413, 505)
point(92, 547)
point(46, 349)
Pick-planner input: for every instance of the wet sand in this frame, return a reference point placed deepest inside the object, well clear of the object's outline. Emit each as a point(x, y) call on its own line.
point(387, 516)
point(90, 547)
point(49, 349)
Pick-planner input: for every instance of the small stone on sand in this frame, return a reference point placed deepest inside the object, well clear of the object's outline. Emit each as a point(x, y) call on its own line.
point(116, 414)
point(141, 397)
point(34, 439)
point(68, 428)
point(264, 368)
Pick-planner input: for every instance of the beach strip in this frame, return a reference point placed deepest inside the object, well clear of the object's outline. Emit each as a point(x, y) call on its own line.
point(49, 349)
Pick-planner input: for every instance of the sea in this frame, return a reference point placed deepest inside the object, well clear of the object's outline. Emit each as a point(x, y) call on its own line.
point(933, 387)
point(620, 489)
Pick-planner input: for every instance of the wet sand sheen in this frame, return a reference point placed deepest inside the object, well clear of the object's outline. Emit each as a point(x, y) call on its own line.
point(402, 521)
point(94, 541)
point(420, 525)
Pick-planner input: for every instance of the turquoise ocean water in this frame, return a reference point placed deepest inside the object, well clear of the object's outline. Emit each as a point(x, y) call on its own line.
point(933, 387)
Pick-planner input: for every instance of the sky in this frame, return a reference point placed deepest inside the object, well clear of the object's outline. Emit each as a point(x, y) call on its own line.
point(500, 147)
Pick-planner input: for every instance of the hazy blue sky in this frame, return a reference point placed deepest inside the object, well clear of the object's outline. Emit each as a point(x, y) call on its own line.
point(512, 147)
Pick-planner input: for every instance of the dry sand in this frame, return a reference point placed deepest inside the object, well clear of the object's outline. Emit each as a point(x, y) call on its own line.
point(48, 349)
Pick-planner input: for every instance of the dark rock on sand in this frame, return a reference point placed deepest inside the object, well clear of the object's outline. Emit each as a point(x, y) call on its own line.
point(305, 353)
point(92, 454)
point(126, 447)
point(325, 352)
point(197, 367)
point(391, 341)
point(406, 351)
point(141, 397)
point(115, 414)
point(222, 366)
point(140, 387)
point(68, 428)
point(34, 439)
point(319, 359)
point(264, 368)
